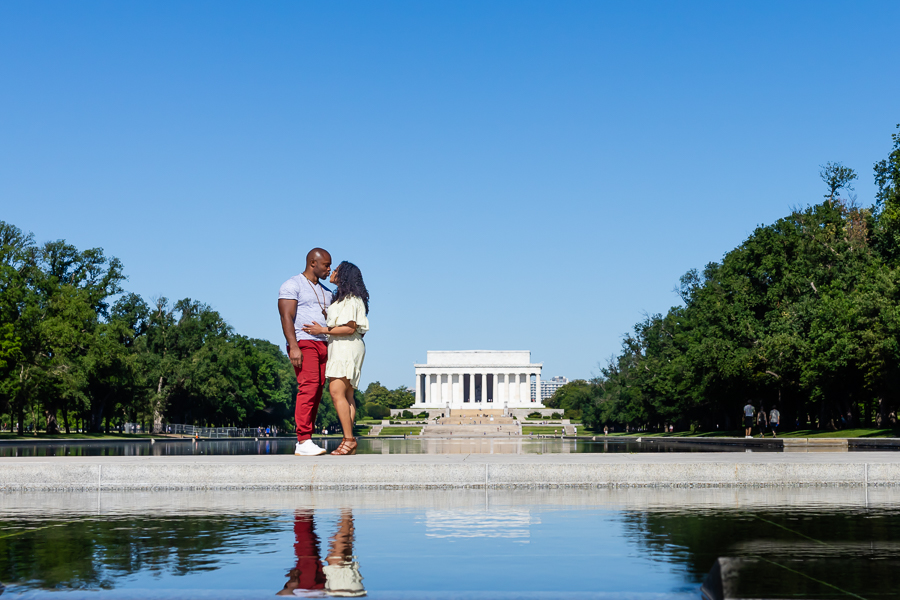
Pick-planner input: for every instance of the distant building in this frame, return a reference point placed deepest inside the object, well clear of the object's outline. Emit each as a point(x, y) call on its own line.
point(549, 387)
point(477, 380)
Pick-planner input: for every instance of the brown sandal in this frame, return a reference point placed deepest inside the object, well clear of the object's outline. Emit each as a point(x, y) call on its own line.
point(345, 448)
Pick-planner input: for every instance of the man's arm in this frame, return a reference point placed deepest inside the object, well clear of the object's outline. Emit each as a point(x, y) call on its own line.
point(288, 311)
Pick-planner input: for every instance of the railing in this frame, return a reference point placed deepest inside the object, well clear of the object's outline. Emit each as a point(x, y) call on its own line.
point(204, 432)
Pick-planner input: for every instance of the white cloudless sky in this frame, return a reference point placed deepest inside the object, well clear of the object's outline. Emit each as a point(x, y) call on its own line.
point(508, 175)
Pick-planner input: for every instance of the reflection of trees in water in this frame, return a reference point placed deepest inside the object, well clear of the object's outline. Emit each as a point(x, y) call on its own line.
point(91, 553)
point(696, 539)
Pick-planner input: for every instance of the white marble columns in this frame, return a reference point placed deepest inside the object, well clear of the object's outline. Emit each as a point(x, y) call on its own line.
point(460, 380)
point(470, 388)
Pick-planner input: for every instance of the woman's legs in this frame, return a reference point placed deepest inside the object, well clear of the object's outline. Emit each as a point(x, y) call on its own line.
point(342, 396)
point(341, 550)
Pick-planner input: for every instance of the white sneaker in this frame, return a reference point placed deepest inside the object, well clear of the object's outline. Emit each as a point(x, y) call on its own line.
point(308, 448)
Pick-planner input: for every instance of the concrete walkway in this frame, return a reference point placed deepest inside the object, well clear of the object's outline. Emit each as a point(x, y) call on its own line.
point(446, 470)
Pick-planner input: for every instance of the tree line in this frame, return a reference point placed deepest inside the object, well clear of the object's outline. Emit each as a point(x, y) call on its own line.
point(79, 352)
point(803, 315)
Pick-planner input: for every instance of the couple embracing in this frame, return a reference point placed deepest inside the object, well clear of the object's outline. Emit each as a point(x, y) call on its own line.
point(324, 331)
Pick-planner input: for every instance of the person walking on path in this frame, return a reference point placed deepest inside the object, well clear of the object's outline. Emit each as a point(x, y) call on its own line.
point(302, 299)
point(761, 421)
point(774, 420)
point(749, 411)
point(345, 327)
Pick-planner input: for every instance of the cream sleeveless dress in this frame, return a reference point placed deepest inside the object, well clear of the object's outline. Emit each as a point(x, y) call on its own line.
point(347, 352)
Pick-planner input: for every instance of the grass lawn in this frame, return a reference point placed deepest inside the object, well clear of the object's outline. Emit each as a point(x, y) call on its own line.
point(401, 431)
point(541, 429)
point(843, 433)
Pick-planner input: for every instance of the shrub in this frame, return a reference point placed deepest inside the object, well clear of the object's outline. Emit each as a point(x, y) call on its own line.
point(407, 414)
point(535, 415)
point(556, 416)
point(377, 411)
point(423, 414)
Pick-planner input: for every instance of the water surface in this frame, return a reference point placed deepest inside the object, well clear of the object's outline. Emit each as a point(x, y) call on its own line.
point(164, 447)
point(641, 544)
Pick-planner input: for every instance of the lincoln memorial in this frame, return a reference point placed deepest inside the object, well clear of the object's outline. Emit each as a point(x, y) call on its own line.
point(477, 379)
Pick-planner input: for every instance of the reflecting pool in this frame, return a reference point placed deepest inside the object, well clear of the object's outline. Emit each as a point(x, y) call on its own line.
point(522, 543)
point(167, 447)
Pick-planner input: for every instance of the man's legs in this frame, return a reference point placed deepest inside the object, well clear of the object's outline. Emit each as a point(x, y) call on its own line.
point(310, 575)
point(310, 382)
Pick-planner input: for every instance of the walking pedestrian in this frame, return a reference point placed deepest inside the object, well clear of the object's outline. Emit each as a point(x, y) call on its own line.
point(761, 421)
point(774, 420)
point(749, 411)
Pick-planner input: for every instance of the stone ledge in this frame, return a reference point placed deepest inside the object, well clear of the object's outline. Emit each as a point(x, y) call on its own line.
point(449, 471)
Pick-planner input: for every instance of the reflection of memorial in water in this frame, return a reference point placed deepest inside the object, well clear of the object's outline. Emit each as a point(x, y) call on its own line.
point(339, 576)
point(511, 523)
point(470, 446)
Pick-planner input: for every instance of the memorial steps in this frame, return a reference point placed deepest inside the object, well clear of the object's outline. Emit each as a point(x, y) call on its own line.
point(480, 425)
point(477, 413)
point(476, 420)
point(470, 430)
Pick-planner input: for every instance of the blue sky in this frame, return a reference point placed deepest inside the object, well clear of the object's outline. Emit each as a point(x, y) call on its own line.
point(507, 175)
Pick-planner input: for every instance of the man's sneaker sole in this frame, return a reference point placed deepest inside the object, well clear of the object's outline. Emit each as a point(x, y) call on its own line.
point(319, 453)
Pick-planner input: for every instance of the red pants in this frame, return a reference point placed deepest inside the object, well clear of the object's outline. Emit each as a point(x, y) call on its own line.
point(310, 383)
point(310, 575)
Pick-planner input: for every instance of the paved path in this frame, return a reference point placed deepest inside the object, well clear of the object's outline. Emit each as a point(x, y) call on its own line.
point(451, 470)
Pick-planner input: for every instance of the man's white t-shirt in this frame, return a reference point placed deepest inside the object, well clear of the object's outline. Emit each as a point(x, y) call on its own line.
point(311, 300)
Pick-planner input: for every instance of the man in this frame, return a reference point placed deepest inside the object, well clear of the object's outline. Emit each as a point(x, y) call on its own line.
point(302, 299)
point(749, 411)
point(774, 420)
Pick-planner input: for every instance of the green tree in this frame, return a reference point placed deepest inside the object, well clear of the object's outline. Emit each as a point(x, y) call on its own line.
point(887, 201)
point(801, 315)
point(377, 394)
point(398, 398)
point(837, 177)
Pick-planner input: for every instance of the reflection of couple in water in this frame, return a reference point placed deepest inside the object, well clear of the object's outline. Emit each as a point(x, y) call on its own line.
point(339, 576)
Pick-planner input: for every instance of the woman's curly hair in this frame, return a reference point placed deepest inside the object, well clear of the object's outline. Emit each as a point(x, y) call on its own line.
point(350, 283)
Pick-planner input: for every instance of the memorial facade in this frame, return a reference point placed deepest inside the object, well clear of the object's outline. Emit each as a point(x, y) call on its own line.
point(477, 379)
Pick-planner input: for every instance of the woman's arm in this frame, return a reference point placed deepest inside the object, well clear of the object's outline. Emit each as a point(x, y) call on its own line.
point(338, 330)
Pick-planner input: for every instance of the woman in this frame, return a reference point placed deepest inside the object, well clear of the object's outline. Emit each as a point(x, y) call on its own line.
point(345, 326)
point(761, 421)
